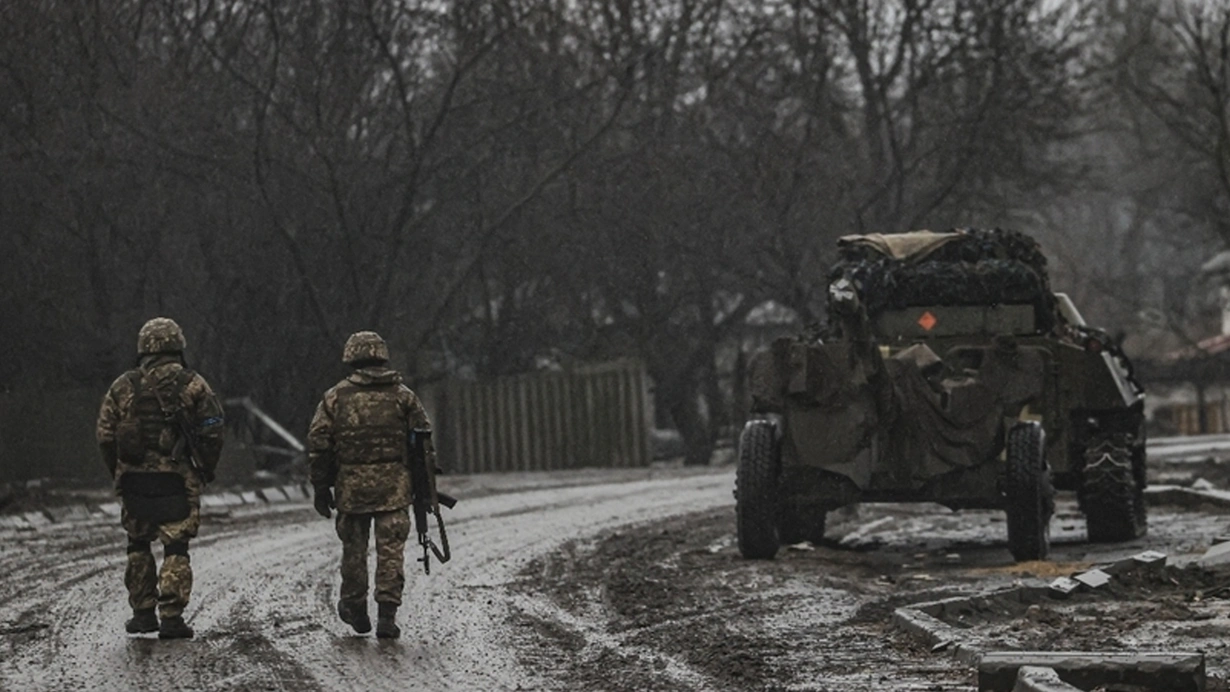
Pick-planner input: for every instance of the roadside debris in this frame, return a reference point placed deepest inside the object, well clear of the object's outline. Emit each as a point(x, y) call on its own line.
point(998, 671)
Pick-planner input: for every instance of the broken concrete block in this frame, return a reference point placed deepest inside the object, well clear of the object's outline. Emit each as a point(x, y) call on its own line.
point(251, 498)
point(1063, 587)
point(1147, 561)
point(37, 519)
point(925, 627)
point(213, 500)
point(1221, 539)
point(231, 499)
point(110, 509)
point(1174, 672)
point(295, 492)
point(1216, 556)
point(1040, 679)
point(272, 495)
point(67, 513)
point(1202, 484)
point(1093, 579)
point(13, 521)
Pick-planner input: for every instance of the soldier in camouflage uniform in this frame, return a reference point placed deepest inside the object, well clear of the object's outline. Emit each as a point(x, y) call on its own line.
point(139, 432)
point(357, 445)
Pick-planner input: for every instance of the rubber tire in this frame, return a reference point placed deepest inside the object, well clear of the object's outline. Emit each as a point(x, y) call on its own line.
point(1029, 495)
point(799, 524)
point(1112, 495)
point(756, 502)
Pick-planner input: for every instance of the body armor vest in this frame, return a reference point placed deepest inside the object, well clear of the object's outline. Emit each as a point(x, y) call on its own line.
point(147, 427)
point(369, 425)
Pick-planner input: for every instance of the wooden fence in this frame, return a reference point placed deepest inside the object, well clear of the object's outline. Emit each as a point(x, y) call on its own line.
point(597, 416)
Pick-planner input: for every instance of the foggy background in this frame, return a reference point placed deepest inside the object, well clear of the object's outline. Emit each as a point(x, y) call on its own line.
point(504, 188)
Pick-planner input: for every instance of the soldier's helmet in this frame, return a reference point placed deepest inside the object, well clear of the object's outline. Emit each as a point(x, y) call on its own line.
point(365, 346)
point(160, 335)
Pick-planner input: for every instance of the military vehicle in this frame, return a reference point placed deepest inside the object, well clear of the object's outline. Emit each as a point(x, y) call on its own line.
point(949, 372)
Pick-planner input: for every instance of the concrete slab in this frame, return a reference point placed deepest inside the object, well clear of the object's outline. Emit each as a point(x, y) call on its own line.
point(1171, 671)
point(213, 500)
point(1063, 587)
point(36, 519)
point(1217, 556)
point(1149, 560)
point(295, 492)
point(935, 633)
point(272, 495)
point(231, 499)
point(69, 513)
point(13, 521)
point(1093, 579)
point(251, 498)
point(1039, 679)
point(111, 509)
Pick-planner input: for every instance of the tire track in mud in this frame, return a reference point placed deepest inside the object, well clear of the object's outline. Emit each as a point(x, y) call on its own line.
point(671, 605)
point(263, 601)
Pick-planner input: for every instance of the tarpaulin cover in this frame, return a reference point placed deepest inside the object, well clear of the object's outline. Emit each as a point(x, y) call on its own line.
point(930, 418)
point(960, 267)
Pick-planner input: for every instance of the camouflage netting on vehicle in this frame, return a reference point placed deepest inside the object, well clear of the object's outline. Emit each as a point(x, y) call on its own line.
point(969, 267)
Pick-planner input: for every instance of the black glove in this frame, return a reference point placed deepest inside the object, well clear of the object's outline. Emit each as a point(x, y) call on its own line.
point(207, 476)
point(324, 501)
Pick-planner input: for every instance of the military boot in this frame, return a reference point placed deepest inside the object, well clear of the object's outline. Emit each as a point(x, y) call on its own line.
point(174, 628)
point(142, 621)
point(386, 621)
point(355, 616)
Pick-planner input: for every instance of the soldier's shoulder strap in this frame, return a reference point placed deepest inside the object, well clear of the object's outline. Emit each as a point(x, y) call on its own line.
point(183, 378)
point(135, 377)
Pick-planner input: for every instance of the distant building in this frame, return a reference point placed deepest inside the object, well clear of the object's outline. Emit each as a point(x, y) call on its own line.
point(1189, 387)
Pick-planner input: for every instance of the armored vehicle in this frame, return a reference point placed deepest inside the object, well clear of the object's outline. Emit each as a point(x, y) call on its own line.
point(949, 372)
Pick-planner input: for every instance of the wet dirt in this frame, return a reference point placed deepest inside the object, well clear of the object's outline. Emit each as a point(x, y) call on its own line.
point(626, 581)
point(1175, 609)
point(265, 587)
point(673, 606)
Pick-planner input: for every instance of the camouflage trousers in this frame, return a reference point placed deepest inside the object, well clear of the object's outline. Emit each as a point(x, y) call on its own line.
point(169, 587)
point(392, 529)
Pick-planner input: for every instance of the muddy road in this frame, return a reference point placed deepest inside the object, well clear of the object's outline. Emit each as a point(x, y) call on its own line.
point(619, 581)
point(264, 594)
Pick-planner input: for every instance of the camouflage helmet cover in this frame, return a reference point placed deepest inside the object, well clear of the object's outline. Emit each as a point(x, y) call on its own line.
point(160, 335)
point(363, 346)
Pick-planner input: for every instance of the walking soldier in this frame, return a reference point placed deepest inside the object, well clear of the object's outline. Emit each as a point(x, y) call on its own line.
point(358, 444)
point(160, 431)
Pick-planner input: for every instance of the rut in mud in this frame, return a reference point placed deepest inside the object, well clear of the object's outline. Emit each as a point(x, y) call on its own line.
point(673, 606)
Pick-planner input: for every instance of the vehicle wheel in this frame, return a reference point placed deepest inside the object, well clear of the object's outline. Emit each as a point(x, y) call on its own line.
point(1029, 495)
point(1112, 490)
point(756, 491)
point(798, 524)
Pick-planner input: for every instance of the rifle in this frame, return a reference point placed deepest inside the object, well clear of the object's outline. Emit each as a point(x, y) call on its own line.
point(186, 442)
point(425, 499)
point(186, 446)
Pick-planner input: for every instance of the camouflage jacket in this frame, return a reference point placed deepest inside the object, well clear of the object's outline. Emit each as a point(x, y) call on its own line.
point(134, 432)
point(358, 440)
